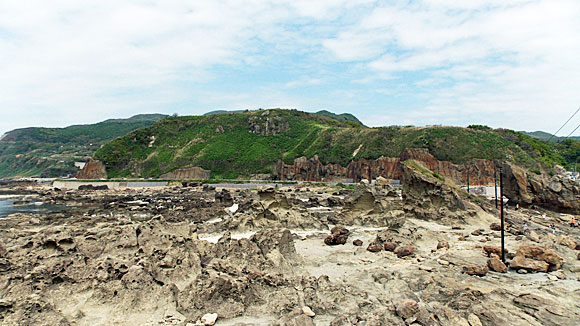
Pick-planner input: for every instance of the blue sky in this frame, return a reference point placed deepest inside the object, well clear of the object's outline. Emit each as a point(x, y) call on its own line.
point(510, 63)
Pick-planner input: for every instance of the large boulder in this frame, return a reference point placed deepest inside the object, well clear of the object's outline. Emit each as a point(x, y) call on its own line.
point(541, 254)
point(553, 192)
point(496, 265)
point(520, 262)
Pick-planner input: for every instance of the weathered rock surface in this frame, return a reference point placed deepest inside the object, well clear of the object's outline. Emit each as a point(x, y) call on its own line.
point(541, 254)
point(495, 264)
point(305, 169)
point(93, 169)
point(428, 198)
point(193, 173)
point(557, 192)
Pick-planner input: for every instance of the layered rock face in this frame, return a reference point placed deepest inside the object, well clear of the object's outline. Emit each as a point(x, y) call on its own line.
point(193, 173)
point(304, 169)
point(556, 192)
point(92, 170)
point(430, 199)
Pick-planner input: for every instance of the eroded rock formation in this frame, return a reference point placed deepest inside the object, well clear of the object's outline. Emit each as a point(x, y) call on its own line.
point(556, 192)
point(93, 169)
point(304, 169)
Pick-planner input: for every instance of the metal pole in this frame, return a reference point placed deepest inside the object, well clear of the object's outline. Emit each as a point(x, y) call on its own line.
point(468, 179)
point(502, 217)
point(495, 183)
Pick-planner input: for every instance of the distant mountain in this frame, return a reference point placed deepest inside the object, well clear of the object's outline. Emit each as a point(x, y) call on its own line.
point(542, 135)
point(51, 152)
point(239, 145)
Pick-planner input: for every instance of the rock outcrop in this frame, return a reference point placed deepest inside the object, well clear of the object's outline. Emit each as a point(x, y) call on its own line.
point(193, 173)
point(557, 192)
point(480, 172)
point(93, 169)
point(265, 125)
point(428, 198)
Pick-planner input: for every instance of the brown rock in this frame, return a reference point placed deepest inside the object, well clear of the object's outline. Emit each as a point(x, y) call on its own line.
point(565, 241)
point(405, 251)
point(92, 170)
point(357, 242)
point(521, 262)
point(340, 230)
point(476, 270)
point(407, 308)
point(493, 250)
point(374, 246)
point(390, 246)
point(542, 254)
point(495, 226)
point(442, 244)
point(496, 265)
point(336, 239)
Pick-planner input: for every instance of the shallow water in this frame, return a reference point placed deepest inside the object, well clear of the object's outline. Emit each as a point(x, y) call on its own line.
point(36, 207)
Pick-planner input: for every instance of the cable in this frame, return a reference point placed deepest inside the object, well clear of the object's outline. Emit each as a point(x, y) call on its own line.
point(571, 132)
point(554, 134)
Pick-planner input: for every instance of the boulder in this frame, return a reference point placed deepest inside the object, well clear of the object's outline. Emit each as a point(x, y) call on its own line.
point(493, 250)
point(405, 251)
point(542, 254)
point(336, 239)
point(390, 246)
point(340, 230)
point(496, 265)
point(527, 264)
point(495, 226)
point(565, 241)
point(357, 242)
point(479, 270)
point(374, 246)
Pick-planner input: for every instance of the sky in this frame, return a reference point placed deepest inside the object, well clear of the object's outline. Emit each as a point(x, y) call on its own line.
point(503, 63)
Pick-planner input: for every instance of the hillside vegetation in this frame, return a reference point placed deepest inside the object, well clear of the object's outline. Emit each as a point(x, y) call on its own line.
point(240, 144)
point(51, 152)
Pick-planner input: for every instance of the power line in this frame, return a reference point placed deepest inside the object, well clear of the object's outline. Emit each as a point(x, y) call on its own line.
point(554, 134)
point(572, 132)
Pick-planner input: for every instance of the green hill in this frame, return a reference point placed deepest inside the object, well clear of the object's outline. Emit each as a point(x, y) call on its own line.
point(51, 152)
point(239, 144)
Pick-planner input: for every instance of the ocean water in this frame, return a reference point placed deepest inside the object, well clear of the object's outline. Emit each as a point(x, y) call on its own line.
point(7, 207)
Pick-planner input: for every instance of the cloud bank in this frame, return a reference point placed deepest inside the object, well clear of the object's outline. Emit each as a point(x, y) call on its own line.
point(511, 63)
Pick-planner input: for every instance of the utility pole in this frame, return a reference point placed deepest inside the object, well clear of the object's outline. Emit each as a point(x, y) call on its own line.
point(468, 179)
point(495, 182)
point(501, 212)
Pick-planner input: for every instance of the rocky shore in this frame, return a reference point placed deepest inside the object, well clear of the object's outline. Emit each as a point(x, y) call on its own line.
point(293, 255)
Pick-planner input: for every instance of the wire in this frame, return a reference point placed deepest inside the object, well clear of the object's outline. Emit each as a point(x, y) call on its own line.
point(554, 134)
point(571, 132)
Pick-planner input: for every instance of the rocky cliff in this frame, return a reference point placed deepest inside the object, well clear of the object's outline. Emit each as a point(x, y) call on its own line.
point(193, 173)
point(92, 170)
point(480, 172)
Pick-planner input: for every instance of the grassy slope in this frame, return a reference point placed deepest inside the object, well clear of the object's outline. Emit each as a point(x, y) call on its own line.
point(193, 141)
point(52, 151)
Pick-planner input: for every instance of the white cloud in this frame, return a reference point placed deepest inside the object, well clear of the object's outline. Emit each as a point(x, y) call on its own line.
point(517, 59)
point(500, 62)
